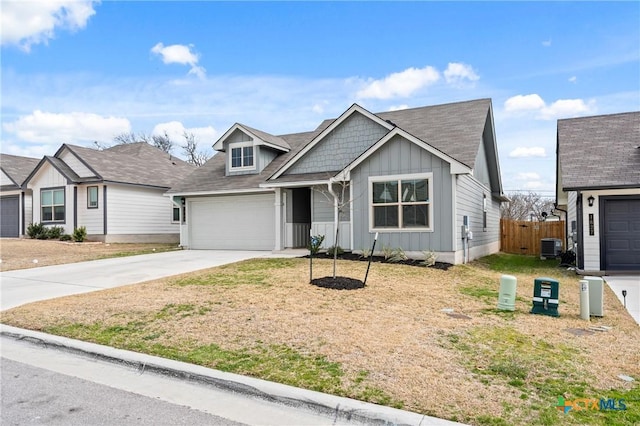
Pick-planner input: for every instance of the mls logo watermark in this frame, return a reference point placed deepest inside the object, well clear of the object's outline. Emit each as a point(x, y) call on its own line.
point(585, 404)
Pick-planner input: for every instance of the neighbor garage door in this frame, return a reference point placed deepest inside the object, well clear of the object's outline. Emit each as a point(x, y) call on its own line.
point(239, 222)
point(621, 237)
point(9, 216)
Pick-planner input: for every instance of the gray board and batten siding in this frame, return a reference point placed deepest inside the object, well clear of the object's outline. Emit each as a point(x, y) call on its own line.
point(399, 157)
point(262, 155)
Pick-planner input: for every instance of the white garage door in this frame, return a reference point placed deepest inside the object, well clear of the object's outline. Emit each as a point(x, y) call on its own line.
point(239, 222)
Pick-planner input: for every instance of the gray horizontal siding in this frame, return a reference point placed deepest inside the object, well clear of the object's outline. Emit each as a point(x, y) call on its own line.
point(469, 202)
point(396, 157)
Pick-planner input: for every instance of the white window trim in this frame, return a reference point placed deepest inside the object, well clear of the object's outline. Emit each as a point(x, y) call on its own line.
point(241, 145)
point(413, 176)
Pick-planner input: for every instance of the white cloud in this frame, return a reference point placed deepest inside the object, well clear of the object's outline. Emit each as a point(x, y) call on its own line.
point(180, 54)
point(25, 23)
point(175, 130)
point(75, 127)
point(528, 176)
point(546, 43)
point(568, 108)
point(398, 107)
point(573, 79)
point(524, 103)
point(562, 108)
point(525, 152)
point(400, 84)
point(457, 73)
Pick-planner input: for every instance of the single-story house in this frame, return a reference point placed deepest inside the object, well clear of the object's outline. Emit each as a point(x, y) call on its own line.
point(15, 199)
point(598, 184)
point(424, 179)
point(116, 193)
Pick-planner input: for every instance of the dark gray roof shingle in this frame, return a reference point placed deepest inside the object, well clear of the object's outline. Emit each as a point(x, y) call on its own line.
point(17, 168)
point(600, 151)
point(135, 163)
point(455, 129)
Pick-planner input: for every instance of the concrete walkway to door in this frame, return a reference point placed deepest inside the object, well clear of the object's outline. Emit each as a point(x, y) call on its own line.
point(630, 283)
point(30, 285)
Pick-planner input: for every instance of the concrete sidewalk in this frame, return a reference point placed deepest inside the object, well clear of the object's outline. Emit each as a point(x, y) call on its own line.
point(274, 397)
point(630, 283)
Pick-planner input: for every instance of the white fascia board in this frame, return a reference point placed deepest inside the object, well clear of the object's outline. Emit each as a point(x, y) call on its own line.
point(354, 108)
point(298, 184)
point(221, 192)
point(219, 145)
point(456, 166)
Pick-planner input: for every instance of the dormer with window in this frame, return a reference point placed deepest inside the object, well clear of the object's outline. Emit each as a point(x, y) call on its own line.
point(247, 150)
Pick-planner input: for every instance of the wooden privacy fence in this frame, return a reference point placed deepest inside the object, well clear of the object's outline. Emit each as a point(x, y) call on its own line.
point(523, 237)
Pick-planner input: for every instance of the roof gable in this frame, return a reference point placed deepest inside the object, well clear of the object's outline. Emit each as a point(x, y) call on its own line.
point(17, 168)
point(259, 138)
point(354, 109)
point(599, 152)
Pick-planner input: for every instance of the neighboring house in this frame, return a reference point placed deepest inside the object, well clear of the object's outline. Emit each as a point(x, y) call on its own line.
point(414, 176)
point(15, 199)
point(116, 193)
point(598, 183)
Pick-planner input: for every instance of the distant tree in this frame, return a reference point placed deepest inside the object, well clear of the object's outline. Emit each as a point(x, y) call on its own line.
point(131, 137)
point(526, 206)
point(190, 150)
point(162, 142)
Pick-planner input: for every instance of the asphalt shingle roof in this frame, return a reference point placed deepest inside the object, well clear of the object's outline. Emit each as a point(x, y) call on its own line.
point(135, 163)
point(16, 167)
point(455, 129)
point(600, 151)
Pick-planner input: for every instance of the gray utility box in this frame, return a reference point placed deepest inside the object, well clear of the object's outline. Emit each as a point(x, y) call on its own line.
point(596, 296)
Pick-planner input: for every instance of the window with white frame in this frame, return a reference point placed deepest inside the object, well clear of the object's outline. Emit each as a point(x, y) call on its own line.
point(92, 197)
point(52, 205)
point(401, 202)
point(241, 156)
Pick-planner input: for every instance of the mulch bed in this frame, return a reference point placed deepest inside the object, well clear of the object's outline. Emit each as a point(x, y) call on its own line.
point(338, 283)
point(380, 259)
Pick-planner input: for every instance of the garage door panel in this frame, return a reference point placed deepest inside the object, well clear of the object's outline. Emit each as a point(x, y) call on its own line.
point(232, 222)
point(9, 216)
point(621, 238)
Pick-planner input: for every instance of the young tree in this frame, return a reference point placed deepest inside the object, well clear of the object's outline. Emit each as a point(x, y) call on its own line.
point(190, 150)
point(336, 193)
point(525, 206)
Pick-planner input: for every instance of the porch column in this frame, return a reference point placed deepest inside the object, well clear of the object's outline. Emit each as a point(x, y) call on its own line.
point(278, 216)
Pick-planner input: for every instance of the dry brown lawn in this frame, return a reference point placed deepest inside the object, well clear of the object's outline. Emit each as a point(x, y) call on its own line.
point(21, 253)
point(394, 335)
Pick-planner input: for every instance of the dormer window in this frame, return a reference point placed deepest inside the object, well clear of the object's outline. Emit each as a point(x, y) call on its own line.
point(242, 157)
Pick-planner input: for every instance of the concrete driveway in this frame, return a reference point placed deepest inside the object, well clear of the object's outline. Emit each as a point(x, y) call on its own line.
point(48, 282)
point(631, 285)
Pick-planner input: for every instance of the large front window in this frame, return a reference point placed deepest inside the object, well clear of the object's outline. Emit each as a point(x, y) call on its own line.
point(242, 157)
point(401, 202)
point(52, 204)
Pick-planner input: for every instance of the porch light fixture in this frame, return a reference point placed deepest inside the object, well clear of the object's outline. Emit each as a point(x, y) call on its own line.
point(591, 200)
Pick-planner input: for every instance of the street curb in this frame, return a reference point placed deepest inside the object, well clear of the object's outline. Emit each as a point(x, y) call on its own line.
point(339, 408)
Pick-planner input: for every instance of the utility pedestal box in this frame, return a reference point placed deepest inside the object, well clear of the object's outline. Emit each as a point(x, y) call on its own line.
point(546, 296)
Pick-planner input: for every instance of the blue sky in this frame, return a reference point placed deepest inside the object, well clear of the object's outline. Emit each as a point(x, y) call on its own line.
point(82, 71)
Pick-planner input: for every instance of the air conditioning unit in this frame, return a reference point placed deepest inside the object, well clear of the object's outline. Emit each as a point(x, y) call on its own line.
point(550, 248)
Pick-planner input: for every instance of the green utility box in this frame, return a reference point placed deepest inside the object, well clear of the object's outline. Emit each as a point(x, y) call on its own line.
point(546, 296)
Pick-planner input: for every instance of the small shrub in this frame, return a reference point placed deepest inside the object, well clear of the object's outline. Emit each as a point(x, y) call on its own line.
point(54, 232)
point(66, 237)
point(80, 234)
point(387, 252)
point(331, 251)
point(429, 258)
point(366, 252)
point(314, 244)
point(34, 230)
point(397, 255)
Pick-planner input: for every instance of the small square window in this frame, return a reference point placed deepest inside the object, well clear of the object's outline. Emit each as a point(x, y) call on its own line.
point(242, 157)
point(52, 205)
